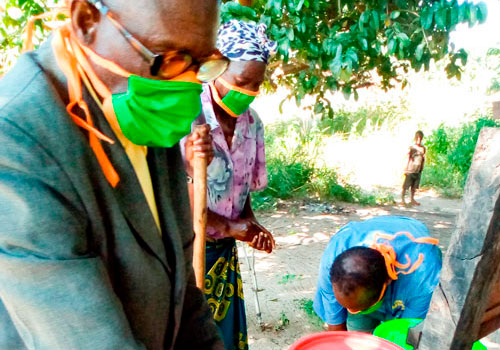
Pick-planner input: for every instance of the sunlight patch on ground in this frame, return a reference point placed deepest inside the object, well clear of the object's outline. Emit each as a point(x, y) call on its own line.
point(321, 236)
point(321, 217)
point(442, 225)
point(297, 239)
point(372, 212)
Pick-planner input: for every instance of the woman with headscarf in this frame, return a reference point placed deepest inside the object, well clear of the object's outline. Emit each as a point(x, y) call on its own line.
point(237, 168)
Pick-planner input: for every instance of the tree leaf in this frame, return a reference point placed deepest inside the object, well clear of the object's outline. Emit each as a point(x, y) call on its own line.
point(318, 108)
point(419, 51)
point(346, 90)
point(462, 13)
point(375, 21)
point(335, 67)
point(441, 19)
point(392, 46)
point(364, 44)
point(454, 16)
point(338, 55)
point(426, 18)
point(395, 14)
point(473, 15)
point(352, 55)
point(483, 10)
point(299, 5)
point(365, 17)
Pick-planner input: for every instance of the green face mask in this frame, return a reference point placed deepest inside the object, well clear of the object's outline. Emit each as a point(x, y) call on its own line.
point(236, 101)
point(372, 308)
point(157, 113)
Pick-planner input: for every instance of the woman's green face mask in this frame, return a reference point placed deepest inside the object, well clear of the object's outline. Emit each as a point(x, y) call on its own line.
point(236, 101)
point(157, 113)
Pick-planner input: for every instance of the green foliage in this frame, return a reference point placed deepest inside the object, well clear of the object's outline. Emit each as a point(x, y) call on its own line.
point(343, 42)
point(493, 62)
point(306, 305)
point(233, 10)
point(292, 153)
point(371, 119)
point(449, 155)
point(283, 322)
point(289, 278)
point(12, 25)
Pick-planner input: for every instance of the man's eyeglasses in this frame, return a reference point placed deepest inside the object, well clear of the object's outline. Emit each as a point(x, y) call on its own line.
point(170, 64)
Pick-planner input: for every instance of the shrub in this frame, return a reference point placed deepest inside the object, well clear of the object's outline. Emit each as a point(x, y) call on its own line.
point(292, 150)
point(449, 156)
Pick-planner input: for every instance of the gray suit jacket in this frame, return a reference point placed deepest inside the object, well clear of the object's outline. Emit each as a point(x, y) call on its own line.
point(82, 265)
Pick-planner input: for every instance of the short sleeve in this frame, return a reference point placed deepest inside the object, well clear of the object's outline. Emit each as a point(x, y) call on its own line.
point(259, 173)
point(325, 304)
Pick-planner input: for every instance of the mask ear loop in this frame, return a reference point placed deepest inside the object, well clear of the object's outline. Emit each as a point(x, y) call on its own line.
point(230, 86)
point(67, 62)
point(218, 100)
point(30, 26)
point(389, 254)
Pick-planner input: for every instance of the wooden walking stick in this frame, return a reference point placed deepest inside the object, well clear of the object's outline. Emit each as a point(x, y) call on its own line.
point(199, 212)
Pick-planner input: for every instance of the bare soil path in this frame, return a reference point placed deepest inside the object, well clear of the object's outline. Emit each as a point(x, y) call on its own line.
point(287, 277)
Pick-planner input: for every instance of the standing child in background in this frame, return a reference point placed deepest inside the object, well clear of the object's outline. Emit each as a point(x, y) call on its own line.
point(414, 167)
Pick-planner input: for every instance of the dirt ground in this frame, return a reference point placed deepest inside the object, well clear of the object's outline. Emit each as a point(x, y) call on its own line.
point(287, 277)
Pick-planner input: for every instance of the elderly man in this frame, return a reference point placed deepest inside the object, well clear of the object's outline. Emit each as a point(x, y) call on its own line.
point(377, 270)
point(95, 235)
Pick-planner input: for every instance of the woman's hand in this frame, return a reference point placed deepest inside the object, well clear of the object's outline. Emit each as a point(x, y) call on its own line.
point(198, 146)
point(249, 230)
point(264, 240)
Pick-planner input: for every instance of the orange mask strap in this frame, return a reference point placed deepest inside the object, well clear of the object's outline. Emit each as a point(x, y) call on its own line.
point(389, 254)
point(67, 62)
point(30, 26)
point(229, 86)
point(218, 100)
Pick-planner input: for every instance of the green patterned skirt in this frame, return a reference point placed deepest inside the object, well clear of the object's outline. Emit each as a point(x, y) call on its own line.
point(224, 292)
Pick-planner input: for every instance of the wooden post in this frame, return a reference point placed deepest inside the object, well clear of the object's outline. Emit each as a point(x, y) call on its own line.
point(466, 305)
point(485, 279)
point(199, 214)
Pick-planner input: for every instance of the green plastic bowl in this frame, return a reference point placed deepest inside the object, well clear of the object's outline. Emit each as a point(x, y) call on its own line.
point(396, 331)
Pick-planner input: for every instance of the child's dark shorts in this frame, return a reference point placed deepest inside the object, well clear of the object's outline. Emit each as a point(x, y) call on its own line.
point(412, 180)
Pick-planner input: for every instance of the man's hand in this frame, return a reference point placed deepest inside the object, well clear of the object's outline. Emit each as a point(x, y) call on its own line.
point(197, 146)
point(249, 230)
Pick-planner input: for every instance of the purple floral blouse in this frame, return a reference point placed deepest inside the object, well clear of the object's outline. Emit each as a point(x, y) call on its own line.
point(234, 172)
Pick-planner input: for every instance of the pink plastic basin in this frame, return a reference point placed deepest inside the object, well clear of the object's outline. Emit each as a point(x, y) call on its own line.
point(343, 341)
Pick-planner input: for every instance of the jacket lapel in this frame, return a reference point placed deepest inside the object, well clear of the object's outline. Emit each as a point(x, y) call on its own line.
point(169, 180)
point(128, 192)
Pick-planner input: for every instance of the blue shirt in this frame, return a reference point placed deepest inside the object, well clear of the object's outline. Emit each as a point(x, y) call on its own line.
point(407, 297)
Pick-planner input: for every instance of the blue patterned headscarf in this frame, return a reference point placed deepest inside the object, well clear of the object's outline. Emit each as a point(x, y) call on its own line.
point(245, 41)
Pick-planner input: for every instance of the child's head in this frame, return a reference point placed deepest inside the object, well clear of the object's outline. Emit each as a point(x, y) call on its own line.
point(419, 135)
